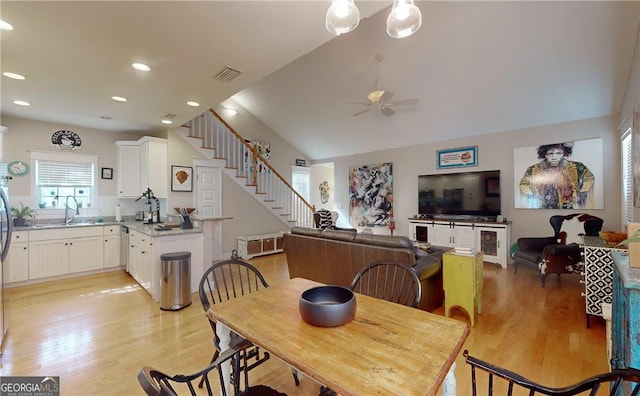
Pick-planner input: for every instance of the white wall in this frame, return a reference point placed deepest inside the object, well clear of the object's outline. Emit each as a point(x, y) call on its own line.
point(320, 174)
point(495, 151)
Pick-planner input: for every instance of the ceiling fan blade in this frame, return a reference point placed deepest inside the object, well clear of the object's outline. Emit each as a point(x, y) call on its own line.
point(387, 111)
point(361, 112)
point(404, 102)
point(360, 103)
point(386, 96)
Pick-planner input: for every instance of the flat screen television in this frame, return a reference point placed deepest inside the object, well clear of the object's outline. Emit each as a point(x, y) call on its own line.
point(463, 195)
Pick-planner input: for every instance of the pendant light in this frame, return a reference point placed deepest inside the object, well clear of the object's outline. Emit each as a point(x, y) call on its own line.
point(342, 17)
point(404, 20)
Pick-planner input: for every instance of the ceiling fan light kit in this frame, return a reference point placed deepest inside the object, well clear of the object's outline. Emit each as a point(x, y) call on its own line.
point(404, 20)
point(342, 17)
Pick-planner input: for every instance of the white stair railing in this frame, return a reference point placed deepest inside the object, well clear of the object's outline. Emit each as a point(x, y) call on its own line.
point(249, 169)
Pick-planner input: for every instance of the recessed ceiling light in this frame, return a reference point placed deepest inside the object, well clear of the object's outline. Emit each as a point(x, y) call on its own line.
point(15, 76)
point(231, 111)
point(141, 67)
point(192, 103)
point(22, 103)
point(5, 25)
point(167, 122)
point(119, 98)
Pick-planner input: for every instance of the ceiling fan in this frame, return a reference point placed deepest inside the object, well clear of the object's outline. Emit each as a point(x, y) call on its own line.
point(381, 100)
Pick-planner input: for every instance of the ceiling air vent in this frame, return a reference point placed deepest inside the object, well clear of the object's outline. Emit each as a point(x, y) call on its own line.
point(227, 74)
point(170, 116)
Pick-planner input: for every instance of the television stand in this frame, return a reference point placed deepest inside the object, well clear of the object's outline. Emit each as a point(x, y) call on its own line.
point(493, 239)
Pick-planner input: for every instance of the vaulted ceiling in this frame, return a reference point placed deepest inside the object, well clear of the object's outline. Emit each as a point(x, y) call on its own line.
point(477, 67)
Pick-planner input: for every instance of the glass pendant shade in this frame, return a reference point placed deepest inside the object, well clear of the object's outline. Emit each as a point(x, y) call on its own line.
point(404, 20)
point(342, 17)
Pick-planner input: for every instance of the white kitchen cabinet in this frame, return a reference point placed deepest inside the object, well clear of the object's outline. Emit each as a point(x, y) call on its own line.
point(85, 254)
point(492, 239)
point(17, 264)
point(50, 255)
point(140, 259)
point(129, 171)
point(142, 164)
point(111, 246)
point(48, 258)
point(145, 262)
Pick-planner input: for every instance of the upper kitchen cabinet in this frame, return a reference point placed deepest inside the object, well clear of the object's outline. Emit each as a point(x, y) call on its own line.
point(142, 164)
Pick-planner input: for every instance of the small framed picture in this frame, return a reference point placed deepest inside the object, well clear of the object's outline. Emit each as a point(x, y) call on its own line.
point(181, 178)
point(457, 157)
point(107, 173)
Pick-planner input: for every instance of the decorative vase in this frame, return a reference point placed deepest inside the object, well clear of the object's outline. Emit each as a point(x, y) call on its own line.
point(19, 222)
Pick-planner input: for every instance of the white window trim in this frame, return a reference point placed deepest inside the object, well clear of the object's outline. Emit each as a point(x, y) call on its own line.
point(63, 156)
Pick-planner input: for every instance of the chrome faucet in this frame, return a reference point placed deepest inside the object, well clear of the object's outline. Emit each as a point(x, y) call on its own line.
point(68, 219)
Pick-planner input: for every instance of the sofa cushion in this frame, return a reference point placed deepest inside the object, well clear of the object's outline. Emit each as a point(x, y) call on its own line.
point(384, 241)
point(306, 231)
point(337, 235)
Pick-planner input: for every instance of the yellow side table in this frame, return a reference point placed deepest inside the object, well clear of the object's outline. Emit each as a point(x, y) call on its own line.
point(463, 278)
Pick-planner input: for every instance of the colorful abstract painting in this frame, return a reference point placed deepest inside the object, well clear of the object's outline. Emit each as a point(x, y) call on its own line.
point(371, 194)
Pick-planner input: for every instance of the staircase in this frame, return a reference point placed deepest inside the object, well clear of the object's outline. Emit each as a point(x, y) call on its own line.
point(241, 161)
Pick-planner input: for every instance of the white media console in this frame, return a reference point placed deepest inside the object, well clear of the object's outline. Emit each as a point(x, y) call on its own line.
point(493, 239)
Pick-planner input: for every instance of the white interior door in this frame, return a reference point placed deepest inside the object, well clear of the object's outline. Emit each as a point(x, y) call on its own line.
point(208, 191)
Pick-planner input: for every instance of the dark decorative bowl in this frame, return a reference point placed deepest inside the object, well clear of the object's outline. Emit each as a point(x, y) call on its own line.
point(327, 306)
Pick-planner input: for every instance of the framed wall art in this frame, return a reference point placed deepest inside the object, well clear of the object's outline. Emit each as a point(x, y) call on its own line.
point(565, 175)
point(181, 178)
point(462, 157)
point(107, 173)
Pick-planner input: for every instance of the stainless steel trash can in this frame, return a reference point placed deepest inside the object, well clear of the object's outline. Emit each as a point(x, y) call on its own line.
point(175, 281)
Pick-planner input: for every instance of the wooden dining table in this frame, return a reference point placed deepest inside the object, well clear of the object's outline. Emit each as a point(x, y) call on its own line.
point(388, 349)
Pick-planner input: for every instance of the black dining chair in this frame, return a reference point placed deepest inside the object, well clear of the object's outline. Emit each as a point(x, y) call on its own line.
point(617, 382)
point(157, 383)
point(391, 281)
point(224, 281)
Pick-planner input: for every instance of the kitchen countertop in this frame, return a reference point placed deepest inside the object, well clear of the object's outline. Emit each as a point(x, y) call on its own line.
point(148, 229)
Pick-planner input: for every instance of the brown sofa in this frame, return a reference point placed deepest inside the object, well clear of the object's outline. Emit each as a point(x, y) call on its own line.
point(335, 256)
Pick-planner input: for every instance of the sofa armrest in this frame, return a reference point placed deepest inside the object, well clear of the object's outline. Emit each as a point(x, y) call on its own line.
point(536, 244)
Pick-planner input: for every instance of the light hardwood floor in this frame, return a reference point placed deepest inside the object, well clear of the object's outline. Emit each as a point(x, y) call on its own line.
point(95, 332)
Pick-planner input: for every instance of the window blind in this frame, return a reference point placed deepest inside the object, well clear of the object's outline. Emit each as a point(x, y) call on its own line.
point(53, 173)
point(627, 178)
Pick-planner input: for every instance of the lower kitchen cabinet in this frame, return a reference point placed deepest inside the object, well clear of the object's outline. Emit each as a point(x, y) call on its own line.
point(85, 254)
point(145, 261)
point(17, 263)
point(50, 255)
point(42, 253)
point(111, 246)
point(48, 258)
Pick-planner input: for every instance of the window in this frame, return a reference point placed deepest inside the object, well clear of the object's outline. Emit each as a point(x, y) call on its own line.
point(300, 176)
point(58, 176)
point(627, 178)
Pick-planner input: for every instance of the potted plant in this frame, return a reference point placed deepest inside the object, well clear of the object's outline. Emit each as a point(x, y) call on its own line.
point(20, 214)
